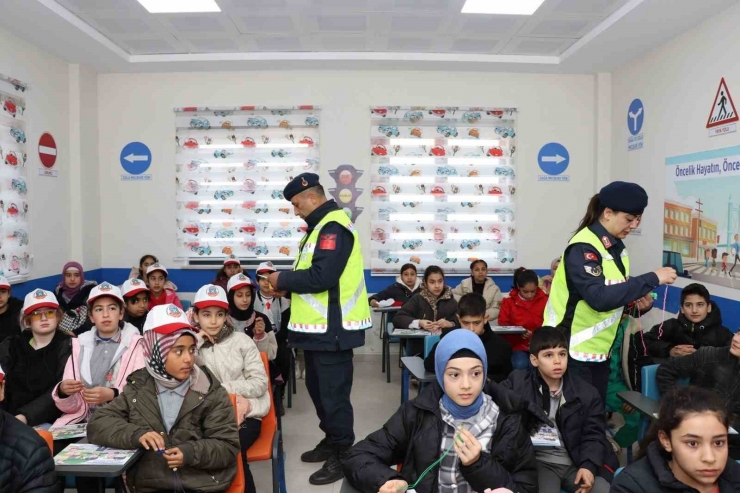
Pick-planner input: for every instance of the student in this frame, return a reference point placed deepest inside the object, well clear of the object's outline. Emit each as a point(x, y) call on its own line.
point(699, 324)
point(524, 307)
point(471, 314)
point(585, 461)
point(235, 361)
point(102, 358)
point(689, 450)
point(136, 297)
point(545, 282)
point(140, 271)
point(277, 310)
point(33, 361)
point(159, 293)
point(709, 368)
point(72, 293)
point(406, 285)
point(480, 283)
point(10, 310)
point(243, 316)
point(491, 449)
point(175, 410)
point(231, 267)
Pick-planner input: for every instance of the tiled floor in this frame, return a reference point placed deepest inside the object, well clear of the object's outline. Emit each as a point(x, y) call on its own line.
point(373, 400)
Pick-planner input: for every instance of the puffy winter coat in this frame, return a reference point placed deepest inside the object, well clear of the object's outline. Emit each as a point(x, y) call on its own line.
point(651, 474)
point(398, 292)
point(491, 293)
point(10, 324)
point(167, 297)
point(75, 319)
point(527, 314)
point(128, 358)
point(417, 308)
point(580, 419)
point(413, 437)
point(26, 465)
point(237, 364)
point(205, 431)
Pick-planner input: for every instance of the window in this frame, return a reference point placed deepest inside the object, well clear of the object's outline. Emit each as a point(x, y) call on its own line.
point(665, 212)
point(665, 228)
point(443, 187)
point(15, 252)
point(231, 167)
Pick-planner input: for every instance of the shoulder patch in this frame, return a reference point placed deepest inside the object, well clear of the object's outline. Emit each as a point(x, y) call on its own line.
point(328, 242)
point(594, 271)
point(606, 241)
point(590, 257)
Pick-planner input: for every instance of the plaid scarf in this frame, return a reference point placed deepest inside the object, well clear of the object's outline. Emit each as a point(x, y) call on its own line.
point(156, 348)
point(482, 426)
point(432, 300)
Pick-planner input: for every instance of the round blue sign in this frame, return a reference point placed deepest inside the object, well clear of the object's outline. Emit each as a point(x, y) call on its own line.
point(553, 158)
point(136, 158)
point(635, 117)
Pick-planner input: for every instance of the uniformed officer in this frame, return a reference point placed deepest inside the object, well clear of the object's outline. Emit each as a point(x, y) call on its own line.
point(329, 313)
point(593, 285)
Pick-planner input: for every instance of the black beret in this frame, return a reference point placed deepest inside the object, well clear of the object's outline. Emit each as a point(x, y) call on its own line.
point(623, 196)
point(300, 183)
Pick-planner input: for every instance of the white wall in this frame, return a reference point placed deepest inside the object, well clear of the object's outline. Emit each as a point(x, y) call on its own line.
point(677, 84)
point(138, 107)
point(47, 111)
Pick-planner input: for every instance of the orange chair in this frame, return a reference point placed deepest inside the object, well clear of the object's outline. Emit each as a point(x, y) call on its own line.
point(269, 445)
point(49, 439)
point(237, 485)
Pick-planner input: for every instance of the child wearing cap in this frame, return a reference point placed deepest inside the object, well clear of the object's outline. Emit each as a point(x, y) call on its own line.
point(102, 358)
point(175, 410)
point(34, 360)
point(10, 310)
point(136, 297)
point(244, 317)
point(277, 309)
point(235, 360)
point(72, 293)
point(159, 293)
point(231, 267)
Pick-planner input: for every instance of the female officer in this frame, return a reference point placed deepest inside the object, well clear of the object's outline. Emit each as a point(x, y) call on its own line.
point(593, 285)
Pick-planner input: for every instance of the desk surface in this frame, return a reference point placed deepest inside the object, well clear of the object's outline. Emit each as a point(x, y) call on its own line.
point(98, 471)
point(508, 330)
point(386, 309)
point(410, 333)
point(645, 405)
point(415, 365)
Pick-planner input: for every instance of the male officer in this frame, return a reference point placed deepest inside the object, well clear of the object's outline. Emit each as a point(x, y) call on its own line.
point(329, 312)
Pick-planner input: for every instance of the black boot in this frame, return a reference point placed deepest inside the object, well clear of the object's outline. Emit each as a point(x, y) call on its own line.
point(321, 453)
point(331, 471)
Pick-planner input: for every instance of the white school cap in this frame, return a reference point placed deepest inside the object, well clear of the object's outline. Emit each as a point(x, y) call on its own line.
point(156, 267)
point(266, 267)
point(39, 298)
point(4, 284)
point(132, 287)
point(231, 259)
point(211, 295)
point(104, 289)
point(166, 319)
point(239, 281)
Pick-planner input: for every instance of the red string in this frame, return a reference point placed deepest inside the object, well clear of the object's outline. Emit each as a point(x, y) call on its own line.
point(665, 299)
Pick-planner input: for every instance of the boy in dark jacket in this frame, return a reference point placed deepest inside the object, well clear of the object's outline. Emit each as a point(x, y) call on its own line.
point(576, 410)
point(471, 313)
point(406, 285)
point(10, 310)
point(175, 410)
point(466, 440)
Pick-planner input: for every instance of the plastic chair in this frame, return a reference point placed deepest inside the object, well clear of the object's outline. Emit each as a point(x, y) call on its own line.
point(269, 445)
point(387, 341)
point(429, 342)
point(239, 482)
point(49, 439)
point(650, 389)
point(185, 305)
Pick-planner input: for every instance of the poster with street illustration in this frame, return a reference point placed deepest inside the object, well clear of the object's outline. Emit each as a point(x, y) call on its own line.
point(701, 216)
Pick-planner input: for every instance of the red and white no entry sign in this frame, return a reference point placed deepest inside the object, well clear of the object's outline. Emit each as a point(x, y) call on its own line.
point(47, 150)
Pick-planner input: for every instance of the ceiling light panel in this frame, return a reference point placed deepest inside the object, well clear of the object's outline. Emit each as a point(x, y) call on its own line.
point(501, 7)
point(179, 6)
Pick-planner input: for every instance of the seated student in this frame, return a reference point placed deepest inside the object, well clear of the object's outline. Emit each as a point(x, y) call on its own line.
point(471, 313)
point(576, 410)
point(102, 358)
point(10, 310)
point(687, 449)
point(244, 317)
point(175, 410)
point(545, 282)
point(28, 466)
point(232, 266)
point(406, 285)
point(140, 271)
point(136, 297)
point(34, 360)
point(524, 307)
point(72, 293)
point(159, 293)
point(480, 283)
point(709, 368)
point(235, 361)
point(699, 324)
point(432, 309)
point(491, 447)
point(277, 310)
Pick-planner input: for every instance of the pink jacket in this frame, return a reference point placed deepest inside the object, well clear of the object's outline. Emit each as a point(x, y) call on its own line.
point(128, 358)
point(166, 298)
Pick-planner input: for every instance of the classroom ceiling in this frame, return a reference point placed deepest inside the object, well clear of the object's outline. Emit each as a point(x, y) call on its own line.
point(562, 36)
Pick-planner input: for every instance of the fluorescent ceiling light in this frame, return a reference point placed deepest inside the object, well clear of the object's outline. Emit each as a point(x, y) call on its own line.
point(179, 6)
point(501, 7)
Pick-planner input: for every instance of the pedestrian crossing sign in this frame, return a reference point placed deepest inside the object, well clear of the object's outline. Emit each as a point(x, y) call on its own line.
point(723, 110)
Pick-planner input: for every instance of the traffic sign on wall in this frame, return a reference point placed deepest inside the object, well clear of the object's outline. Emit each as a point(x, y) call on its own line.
point(48, 155)
point(135, 160)
point(553, 159)
point(635, 119)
